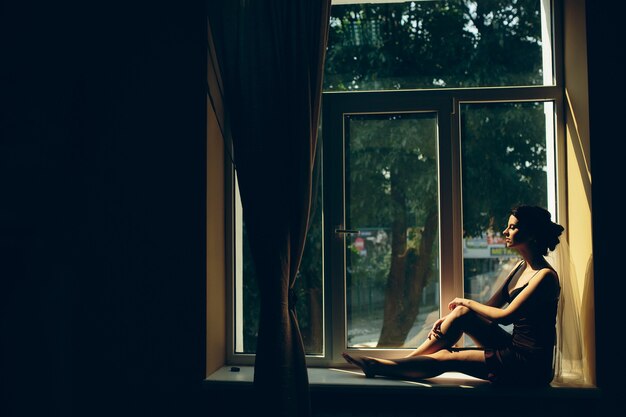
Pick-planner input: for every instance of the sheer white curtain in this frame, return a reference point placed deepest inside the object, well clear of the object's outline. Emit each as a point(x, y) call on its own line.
point(571, 366)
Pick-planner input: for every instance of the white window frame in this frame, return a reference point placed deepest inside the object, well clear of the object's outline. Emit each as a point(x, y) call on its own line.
point(447, 102)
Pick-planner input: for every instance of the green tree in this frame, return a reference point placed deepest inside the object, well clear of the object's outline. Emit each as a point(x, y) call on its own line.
point(434, 44)
point(515, 176)
point(392, 167)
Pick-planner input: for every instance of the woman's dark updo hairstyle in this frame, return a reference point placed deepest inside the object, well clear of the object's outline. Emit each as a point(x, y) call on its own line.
point(536, 223)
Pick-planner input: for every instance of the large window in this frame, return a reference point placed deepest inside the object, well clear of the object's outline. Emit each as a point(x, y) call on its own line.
point(438, 117)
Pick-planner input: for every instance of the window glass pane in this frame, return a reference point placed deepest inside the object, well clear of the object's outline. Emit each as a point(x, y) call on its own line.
point(507, 159)
point(309, 287)
point(392, 273)
point(437, 44)
point(249, 299)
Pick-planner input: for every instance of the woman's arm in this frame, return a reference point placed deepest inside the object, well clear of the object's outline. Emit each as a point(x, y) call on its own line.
point(505, 315)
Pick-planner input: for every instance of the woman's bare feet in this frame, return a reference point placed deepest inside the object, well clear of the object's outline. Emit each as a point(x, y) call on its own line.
point(363, 363)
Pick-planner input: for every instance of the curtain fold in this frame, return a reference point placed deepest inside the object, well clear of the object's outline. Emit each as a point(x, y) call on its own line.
point(570, 365)
point(271, 56)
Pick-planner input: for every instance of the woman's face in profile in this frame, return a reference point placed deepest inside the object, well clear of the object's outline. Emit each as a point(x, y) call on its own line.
point(512, 235)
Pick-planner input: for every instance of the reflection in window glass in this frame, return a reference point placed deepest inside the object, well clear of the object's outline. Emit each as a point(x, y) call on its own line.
point(438, 44)
point(392, 273)
point(507, 159)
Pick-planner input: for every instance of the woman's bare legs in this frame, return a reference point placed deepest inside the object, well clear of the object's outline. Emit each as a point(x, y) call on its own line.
point(470, 362)
point(462, 320)
point(434, 356)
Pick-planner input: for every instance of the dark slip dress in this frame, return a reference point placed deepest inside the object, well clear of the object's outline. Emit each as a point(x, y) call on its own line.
point(527, 358)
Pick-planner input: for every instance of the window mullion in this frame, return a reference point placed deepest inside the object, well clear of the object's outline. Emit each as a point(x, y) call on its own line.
point(451, 256)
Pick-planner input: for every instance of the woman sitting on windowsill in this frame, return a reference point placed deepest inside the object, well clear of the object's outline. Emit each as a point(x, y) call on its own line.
point(528, 299)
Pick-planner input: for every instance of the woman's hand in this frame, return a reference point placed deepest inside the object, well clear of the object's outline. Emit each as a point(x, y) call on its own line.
point(436, 330)
point(457, 302)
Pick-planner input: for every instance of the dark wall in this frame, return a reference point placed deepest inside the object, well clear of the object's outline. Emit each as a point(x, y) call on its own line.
point(102, 207)
point(607, 76)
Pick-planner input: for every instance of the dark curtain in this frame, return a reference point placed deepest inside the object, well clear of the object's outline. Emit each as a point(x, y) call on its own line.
point(271, 56)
